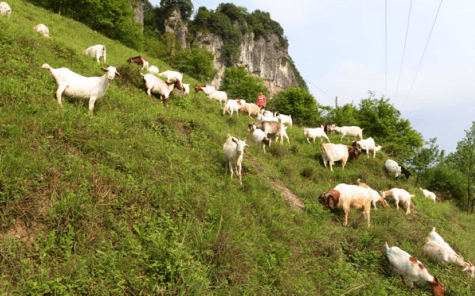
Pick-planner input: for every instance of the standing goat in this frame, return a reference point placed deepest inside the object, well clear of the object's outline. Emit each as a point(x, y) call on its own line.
point(96, 51)
point(260, 137)
point(155, 85)
point(139, 61)
point(77, 86)
point(375, 197)
point(399, 195)
point(406, 265)
point(394, 167)
point(428, 194)
point(440, 251)
point(233, 154)
point(313, 133)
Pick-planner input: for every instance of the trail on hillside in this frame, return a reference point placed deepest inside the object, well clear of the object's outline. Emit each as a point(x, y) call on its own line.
point(291, 197)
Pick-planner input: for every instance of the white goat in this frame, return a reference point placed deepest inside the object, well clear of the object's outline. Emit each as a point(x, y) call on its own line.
point(265, 118)
point(377, 148)
point(96, 52)
point(406, 265)
point(173, 75)
point(394, 167)
point(313, 133)
point(399, 195)
point(153, 84)
point(281, 134)
point(440, 251)
point(42, 29)
point(186, 86)
point(260, 137)
point(334, 152)
point(233, 154)
point(5, 9)
point(266, 113)
point(250, 108)
point(346, 196)
point(285, 119)
point(366, 144)
point(230, 107)
point(219, 96)
point(375, 197)
point(77, 86)
point(349, 131)
point(153, 70)
point(428, 194)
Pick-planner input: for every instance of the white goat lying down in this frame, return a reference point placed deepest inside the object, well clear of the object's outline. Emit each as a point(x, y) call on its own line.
point(407, 266)
point(96, 52)
point(313, 133)
point(440, 251)
point(346, 196)
point(77, 86)
point(399, 195)
point(42, 29)
point(233, 154)
point(5, 9)
point(428, 194)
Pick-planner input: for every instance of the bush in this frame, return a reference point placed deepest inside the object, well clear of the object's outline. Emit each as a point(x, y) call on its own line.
point(240, 83)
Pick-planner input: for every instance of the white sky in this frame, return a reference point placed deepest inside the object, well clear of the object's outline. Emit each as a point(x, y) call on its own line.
point(339, 46)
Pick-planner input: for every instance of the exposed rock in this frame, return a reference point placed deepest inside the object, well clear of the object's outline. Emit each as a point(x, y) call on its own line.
point(136, 5)
point(175, 25)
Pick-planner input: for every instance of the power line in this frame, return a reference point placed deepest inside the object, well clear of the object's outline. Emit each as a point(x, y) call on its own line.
point(403, 51)
point(420, 63)
point(324, 92)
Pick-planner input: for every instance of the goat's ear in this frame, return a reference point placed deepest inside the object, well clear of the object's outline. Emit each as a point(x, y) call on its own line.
point(235, 140)
point(104, 70)
point(118, 74)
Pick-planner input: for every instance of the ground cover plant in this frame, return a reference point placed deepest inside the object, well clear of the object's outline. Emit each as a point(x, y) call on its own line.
point(134, 197)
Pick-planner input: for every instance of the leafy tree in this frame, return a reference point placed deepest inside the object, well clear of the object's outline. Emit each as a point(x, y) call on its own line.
point(238, 82)
point(184, 6)
point(196, 62)
point(448, 181)
point(424, 158)
point(299, 103)
point(463, 159)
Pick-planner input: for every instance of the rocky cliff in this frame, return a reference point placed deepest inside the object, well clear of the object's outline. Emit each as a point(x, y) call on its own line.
point(136, 6)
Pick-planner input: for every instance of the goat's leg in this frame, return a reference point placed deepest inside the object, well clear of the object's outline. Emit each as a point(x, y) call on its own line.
point(59, 92)
point(92, 101)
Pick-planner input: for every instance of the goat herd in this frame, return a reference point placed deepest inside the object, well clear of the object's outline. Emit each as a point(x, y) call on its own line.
point(342, 196)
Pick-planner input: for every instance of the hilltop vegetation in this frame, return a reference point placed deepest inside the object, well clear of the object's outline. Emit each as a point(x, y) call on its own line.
point(134, 199)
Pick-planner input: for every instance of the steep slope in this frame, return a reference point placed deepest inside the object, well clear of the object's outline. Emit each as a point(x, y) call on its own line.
point(134, 199)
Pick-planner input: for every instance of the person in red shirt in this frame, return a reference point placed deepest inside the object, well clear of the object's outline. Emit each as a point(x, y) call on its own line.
point(261, 100)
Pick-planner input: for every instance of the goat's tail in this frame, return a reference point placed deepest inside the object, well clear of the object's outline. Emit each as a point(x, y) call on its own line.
point(46, 66)
point(387, 246)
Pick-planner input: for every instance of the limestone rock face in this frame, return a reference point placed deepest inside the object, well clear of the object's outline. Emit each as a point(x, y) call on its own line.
point(136, 5)
point(175, 25)
point(265, 59)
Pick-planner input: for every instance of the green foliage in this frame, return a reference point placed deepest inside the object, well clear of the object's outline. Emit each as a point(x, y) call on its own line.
point(300, 81)
point(111, 18)
point(239, 83)
point(184, 6)
point(448, 182)
point(299, 103)
point(424, 158)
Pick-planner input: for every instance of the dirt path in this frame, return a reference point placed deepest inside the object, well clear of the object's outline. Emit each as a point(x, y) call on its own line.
point(293, 199)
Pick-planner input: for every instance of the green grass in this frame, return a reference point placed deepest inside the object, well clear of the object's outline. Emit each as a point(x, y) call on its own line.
point(134, 199)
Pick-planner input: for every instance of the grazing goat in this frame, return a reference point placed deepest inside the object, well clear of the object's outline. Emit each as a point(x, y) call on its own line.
point(281, 134)
point(269, 127)
point(173, 75)
point(153, 70)
point(5, 9)
point(440, 251)
point(399, 195)
point(230, 107)
point(394, 167)
point(140, 61)
point(328, 128)
point(346, 196)
point(96, 52)
point(313, 133)
point(284, 119)
point(407, 266)
point(266, 113)
point(366, 144)
point(428, 194)
point(42, 29)
point(375, 197)
point(260, 137)
point(377, 148)
point(153, 84)
point(250, 108)
point(212, 93)
point(186, 86)
point(349, 131)
point(233, 154)
point(334, 152)
point(77, 86)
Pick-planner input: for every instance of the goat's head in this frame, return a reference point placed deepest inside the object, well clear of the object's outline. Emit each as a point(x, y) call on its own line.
point(356, 144)
point(240, 145)
point(354, 152)
point(111, 72)
point(437, 288)
point(330, 198)
point(267, 141)
point(251, 126)
point(469, 269)
point(405, 172)
point(198, 88)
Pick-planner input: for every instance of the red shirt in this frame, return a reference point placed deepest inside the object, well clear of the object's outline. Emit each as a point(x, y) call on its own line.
point(261, 100)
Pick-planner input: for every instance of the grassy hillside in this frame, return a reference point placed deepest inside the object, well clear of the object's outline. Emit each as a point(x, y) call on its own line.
point(134, 199)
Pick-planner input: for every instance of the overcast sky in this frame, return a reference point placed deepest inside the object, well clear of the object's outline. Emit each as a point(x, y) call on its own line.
point(339, 46)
